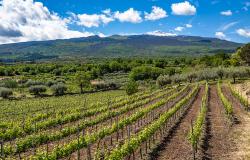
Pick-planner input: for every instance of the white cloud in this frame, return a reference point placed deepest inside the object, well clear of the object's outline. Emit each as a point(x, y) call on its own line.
point(160, 33)
point(189, 25)
point(179, 29)
point(183, 8)
point(246, 6)
point(130, 15)
point(220, 35)
point(156, 13)
point(107, 11)
point(243, 32)
point(26, 20)
point(93, 20)
point(226, 13)
point(102, 35)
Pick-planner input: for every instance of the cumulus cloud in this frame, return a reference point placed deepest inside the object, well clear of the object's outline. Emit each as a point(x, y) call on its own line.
point(243, 32)
point(220, 35)
point(226, 13)
point(160, 33)
point(26, 20)
point(130, 15)
point(156, 13)
point(179, 29)
point(93, 20)
point(189, 25)
point(183, 8)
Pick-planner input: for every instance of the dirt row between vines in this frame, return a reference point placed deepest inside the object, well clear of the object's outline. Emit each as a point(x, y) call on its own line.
point(240, 133)
point(105, 143)
point(175, 145)
point(91, 129)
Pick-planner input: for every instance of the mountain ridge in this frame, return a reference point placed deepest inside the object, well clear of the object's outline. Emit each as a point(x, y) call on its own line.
point(116, 46)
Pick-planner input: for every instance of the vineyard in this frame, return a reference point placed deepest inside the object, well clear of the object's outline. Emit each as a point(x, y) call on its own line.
point(188, 121)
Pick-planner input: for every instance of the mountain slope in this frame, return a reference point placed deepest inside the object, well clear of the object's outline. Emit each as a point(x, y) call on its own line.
point(115, 46)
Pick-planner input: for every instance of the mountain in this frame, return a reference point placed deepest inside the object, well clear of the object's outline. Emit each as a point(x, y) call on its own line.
point(115, 46)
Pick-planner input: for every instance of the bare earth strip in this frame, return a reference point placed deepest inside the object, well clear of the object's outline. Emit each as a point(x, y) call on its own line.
point(218, 124)
point(176, 145)
point(240, 134)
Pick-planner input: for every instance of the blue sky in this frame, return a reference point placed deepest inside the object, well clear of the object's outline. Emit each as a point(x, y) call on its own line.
point(57, 19)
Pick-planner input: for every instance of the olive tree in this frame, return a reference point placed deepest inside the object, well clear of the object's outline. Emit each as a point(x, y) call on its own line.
point(37, 89)
point(59, 89)
point(5, 92)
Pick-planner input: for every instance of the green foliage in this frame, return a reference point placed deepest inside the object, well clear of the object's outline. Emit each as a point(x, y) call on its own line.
point(227, 105)
point(196, 132)
point(131, 87)
point(33, 83)
point(88, 139)
point(145, 72)
point(59, 89)
point(237, 95)
point(83, 80)
point(136, 140)
point(9, 83)
point(5, 92)
point(244, 53)
point(163, 80)
point(37, 89)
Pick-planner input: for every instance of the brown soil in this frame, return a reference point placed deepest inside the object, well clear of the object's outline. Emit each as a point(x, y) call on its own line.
point(67, 139)
point(135, 128)
point(176, 145)
point(217, 129)
point(239, 135)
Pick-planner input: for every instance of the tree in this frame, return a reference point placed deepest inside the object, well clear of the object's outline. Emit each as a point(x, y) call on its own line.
point(220, 73)
point(37, 89)
point(163, 80)
point(191, 77)
point(244, 53)
point(83, 80)
point(233, 73)
point(5, 92)
point(131, 87)
point(59, 89)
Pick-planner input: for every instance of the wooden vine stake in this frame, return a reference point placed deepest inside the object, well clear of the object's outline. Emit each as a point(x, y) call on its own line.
point(192, 131)
point(78, 141)
point(2, 153)
point(117, 132)
point(47, 150)
point(89, 152)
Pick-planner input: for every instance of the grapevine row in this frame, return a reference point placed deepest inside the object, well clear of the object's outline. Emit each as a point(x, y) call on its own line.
point(196, 132)
point(38, 139)
point(131, 145)
point(28, 128)
point(85, 141)
point(236, 94)
point(227, 105)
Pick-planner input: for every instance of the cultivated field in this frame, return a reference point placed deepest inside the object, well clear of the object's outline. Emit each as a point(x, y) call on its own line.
point(201, 120)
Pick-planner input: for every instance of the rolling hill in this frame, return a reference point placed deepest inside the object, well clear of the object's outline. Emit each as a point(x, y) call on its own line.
point(115, 46)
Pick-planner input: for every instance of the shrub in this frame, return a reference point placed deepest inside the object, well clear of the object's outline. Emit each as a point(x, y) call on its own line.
point(37, 89)
point(33, 83)
point(58, 89)
point(145, 72)
point(10, 83)
point(131, 87)
point(163, 80)
point(50, 83)
point(5, 92)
